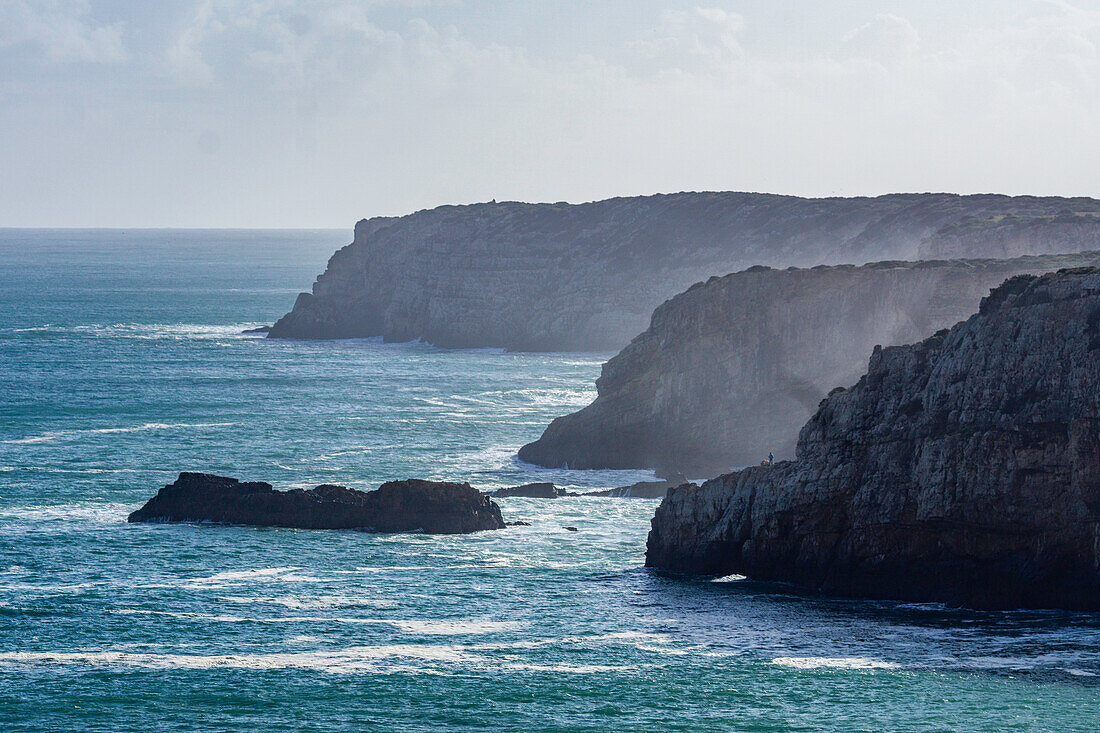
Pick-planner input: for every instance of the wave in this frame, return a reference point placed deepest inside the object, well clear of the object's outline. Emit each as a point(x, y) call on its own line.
point(1078, 672)
point(147, 331)
point(833, 663)
point(361, 659)
point(62, 435)
point(461, 627)
point(54, 469)
point(263, 575)
point(114, 513)
point(316, 603)
point(381, 659)
point(455, 628)
point(348, 660)
point(567, 668)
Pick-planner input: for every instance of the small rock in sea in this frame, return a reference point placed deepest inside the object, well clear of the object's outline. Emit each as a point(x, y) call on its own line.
point(571, 529)
point(261, 329)
point(433, 507)
point(640, 490)
point(517, 524)
point(529, 491)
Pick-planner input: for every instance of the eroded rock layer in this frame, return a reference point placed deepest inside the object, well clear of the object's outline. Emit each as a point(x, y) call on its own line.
point(561, 277)
point(963, 469)
point(728, 371)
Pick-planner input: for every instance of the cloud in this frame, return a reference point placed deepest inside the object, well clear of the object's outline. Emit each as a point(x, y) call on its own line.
point(279, 44)
point(61, 31)
point(286, 113)
point(888, 39)
point(703, 40)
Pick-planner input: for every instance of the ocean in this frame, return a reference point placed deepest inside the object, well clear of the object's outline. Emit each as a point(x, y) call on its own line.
point(122, 363)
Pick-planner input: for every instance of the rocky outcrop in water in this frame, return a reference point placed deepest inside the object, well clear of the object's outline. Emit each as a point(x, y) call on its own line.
point(640, 490)
point(729, 370)
point(561, 277)
point(963, 469)
point(397, 506)
point(529, 491)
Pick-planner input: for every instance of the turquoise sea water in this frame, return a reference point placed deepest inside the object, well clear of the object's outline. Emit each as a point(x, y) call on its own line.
point(122, 363)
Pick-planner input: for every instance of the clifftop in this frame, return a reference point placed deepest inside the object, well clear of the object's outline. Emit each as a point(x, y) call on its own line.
point(587, 277)
point(964, 468)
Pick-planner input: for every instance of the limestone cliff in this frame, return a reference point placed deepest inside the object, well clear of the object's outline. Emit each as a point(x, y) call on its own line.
point(544, 277)
point(729, 370)
point(963, 469)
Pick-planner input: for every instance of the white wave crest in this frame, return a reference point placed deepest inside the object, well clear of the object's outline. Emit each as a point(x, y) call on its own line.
point(148, 331)
point(315, 603)
point(454, 628)
point(833, 663)
point(253, 575)
point(89, 513)
point(62, 435)
point(458, 627)
point(387, 659)
point(352, 659)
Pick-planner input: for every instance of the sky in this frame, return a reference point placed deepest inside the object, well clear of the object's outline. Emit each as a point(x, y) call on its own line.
point(270, 113)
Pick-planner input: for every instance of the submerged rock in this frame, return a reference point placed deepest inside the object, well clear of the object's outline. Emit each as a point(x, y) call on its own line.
point(530, 491)
point(729, 370)
point(963, 469)
point(563, 277)
point(397, 506)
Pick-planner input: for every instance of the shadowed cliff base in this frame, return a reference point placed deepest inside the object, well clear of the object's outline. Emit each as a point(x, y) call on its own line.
point(963, 469)
point(729, 370)
point(562, 277)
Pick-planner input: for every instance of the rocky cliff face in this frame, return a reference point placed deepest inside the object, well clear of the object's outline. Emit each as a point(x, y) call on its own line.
point(962, 469)
point(729, 370)
point(545, 277)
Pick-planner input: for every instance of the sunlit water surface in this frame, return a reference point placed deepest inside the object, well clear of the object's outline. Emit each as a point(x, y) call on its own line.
point(122, 363)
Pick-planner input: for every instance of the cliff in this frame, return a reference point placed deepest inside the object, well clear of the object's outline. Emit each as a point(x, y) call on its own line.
point(963, 469)
point(729, 370)
point(560, 277)
point(397, 506)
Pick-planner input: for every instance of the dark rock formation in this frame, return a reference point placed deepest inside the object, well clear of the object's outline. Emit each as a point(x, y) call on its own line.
point(729, 370)
point(545, 277)
point(261, 329)
point(531, 491)
point(397, 506)
point(963, 469)
point(640, 490)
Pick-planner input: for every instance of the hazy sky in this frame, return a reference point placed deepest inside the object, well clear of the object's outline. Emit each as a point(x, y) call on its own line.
point(267, 113)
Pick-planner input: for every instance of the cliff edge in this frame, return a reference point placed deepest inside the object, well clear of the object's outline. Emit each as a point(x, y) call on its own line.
point(562, 277)
point(963, 469)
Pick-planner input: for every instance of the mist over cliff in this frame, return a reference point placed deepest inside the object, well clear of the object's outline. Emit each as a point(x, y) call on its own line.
point(964, 468)
point(730, 369)
point(545, 277)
